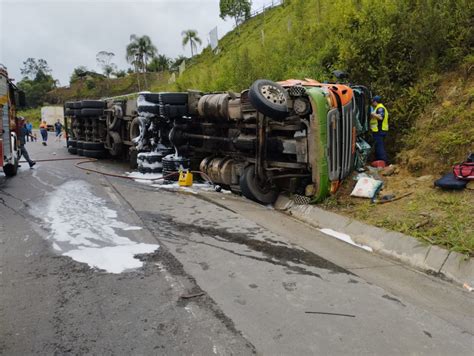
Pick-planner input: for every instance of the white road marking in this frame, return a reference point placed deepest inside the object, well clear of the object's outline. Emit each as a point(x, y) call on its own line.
point(344, 237)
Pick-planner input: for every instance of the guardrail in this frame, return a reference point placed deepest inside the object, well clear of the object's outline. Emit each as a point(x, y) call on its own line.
point(273, 3)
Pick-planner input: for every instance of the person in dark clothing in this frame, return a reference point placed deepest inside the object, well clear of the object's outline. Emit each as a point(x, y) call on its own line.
point(58, 128)
point(24, 133)
point(29, 127)
point(44, 132)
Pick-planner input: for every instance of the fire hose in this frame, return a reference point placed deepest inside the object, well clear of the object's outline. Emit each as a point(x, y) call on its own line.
point(92, 170)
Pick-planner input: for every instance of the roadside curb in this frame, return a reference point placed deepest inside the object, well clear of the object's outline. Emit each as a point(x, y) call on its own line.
point(431, 259)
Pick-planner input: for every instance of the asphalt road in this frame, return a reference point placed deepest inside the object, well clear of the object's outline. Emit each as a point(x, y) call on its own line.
point(212, 274)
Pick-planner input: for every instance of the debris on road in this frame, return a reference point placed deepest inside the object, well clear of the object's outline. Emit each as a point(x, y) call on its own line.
point(326, 313)
point(189, 296)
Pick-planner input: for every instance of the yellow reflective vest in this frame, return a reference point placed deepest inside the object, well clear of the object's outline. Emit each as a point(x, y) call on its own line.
point(374, 123)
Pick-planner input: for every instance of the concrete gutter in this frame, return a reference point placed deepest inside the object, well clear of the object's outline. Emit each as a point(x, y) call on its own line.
point(431, 259)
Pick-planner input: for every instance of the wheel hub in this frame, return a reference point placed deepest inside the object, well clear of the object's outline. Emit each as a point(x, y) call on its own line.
point(273, 94)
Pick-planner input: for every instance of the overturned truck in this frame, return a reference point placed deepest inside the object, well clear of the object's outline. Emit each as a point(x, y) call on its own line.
point(303, 137)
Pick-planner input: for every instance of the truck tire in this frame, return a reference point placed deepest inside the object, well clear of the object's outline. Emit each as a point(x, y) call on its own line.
point(93, 104)
point(80, 144)
point(269, 98)
point(92, 112)
point(95, 153)
point(114, 143)
point(72, 150)
point(173, 98)
point(166, 98)
point(72, 143)
point(114, 120)
point(149, 109)
point(133, 159)
point(10, 169)
point(97, 146)
point(134, 129)
point(251, 189)
point(80, 151)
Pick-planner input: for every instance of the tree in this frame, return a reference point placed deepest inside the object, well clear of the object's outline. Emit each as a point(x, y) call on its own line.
point(37, 81)
point(238, 9)
point(104, 60)
point(159, 63)
point(120, 73)
point(77, 73)
point(177, 62)
point(191, 37)
point(139, 51)
point(32, 67)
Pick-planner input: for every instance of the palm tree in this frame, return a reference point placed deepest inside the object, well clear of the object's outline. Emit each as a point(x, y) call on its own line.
point(139, 51)
point(159, 64)
point(191, 37)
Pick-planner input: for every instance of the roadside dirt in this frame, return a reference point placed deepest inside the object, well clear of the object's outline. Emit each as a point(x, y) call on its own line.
point(428, 213)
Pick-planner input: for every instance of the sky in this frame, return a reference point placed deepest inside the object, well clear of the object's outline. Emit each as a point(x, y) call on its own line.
point(69, 33)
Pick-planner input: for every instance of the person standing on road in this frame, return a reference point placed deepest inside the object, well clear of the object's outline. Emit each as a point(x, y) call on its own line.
point(379, 127)
point(24, 133)
point(58, 128)
point(44, 132)
point(29, 127)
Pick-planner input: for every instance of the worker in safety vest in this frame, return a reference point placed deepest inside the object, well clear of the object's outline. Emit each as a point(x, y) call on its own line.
point(379, 127)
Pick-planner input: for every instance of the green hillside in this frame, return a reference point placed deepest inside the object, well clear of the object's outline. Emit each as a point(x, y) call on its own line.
point(95, 88)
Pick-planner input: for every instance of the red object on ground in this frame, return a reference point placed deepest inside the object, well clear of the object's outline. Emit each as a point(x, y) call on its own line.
point(378, 164)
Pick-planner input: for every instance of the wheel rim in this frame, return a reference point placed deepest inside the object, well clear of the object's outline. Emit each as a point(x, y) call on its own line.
point(273, 94)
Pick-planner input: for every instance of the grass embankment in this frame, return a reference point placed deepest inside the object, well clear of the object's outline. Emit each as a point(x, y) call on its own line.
point(96, 88)
point(32, 115)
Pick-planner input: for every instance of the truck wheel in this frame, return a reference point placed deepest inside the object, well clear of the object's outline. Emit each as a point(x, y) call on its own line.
point(92, 112)
point(95, 153)
point(251, 188)
point(72, 150)
point(97, 146)
point(269, 98)
point(114, 143)
point(133, 159)
point(114, 120)
point(149, 109)
point(10, 170)
point(94, 104)
point(134, 129)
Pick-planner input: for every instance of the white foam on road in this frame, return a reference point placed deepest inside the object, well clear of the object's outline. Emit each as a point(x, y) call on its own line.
point(85, 229)
point(344, 237)
point(154, 179)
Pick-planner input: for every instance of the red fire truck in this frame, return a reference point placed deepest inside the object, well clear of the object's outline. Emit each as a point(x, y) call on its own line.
point(10, 98)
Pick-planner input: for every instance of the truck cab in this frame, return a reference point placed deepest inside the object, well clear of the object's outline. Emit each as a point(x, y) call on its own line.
point(10, 99)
